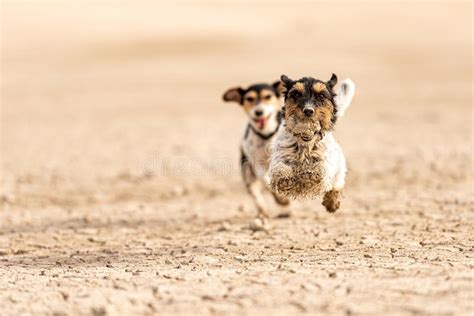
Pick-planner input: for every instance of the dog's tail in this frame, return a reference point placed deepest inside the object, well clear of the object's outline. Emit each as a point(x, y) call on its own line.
point(344, 96)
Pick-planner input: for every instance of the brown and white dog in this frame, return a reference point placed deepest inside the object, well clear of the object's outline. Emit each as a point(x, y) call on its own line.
point(306, 160)
point(261, 103)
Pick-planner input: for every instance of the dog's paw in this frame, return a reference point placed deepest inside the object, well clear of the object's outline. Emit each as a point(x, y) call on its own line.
point(332, 201)
point(282, 185)
point(281, 200)
point(281, 178)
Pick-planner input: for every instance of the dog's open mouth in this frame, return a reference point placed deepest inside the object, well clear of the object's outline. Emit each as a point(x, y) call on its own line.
point(261, 121)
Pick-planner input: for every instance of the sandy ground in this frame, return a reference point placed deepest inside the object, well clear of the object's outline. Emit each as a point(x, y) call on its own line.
point(120, 185)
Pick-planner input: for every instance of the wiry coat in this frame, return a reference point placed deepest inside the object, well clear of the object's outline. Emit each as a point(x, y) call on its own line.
point(306, 160)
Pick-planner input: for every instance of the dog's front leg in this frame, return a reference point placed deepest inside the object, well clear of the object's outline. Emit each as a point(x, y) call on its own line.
point(254, 186)
point(256, 190)
point(332, 200)
point(282, 179)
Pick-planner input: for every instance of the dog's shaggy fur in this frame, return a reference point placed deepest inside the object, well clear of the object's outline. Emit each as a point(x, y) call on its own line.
point(306, 160)
point(261, 103)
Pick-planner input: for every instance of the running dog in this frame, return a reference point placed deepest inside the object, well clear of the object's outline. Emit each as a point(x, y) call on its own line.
point(261, 103)
point(306, 160)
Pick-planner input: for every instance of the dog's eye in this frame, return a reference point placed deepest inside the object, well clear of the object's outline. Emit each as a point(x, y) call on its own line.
point(321, 96)
point(296, 94)
point(268, 97)
point(250, 99)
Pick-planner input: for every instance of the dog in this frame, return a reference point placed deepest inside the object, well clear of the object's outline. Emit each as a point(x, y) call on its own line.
point(261, 102)
point(306, 161)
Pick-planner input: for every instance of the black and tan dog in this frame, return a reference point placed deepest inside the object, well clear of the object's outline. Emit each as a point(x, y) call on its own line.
point(261, 103)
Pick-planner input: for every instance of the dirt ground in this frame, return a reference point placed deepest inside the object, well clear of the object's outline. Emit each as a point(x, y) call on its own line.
point(121, 192)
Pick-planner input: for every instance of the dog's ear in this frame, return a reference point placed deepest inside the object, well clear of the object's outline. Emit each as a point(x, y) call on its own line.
point(345, 93)
point(287, 82)
point(333, 81)
point(278, 86)
point(234, 94)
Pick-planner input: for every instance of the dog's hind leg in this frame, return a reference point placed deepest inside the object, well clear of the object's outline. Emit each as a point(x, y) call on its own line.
point(254, 186)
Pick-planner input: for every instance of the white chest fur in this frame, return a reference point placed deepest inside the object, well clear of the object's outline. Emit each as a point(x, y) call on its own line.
point(305, 171)
point(257, 151)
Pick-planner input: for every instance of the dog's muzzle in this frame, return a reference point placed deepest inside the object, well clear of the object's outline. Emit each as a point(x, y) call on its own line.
point(308, 111)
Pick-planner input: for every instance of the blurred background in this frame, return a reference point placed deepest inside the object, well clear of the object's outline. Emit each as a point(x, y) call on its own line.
point(98, 91)
point(112, 110)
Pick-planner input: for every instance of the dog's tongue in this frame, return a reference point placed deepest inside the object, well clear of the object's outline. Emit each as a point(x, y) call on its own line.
point(261, 123)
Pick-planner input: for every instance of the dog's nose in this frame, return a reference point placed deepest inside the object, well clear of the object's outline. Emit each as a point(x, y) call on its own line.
point(258, 113)
point(308, 111)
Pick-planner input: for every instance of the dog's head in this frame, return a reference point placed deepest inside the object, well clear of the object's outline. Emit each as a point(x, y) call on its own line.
point(311, 105)
point(261, 102)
